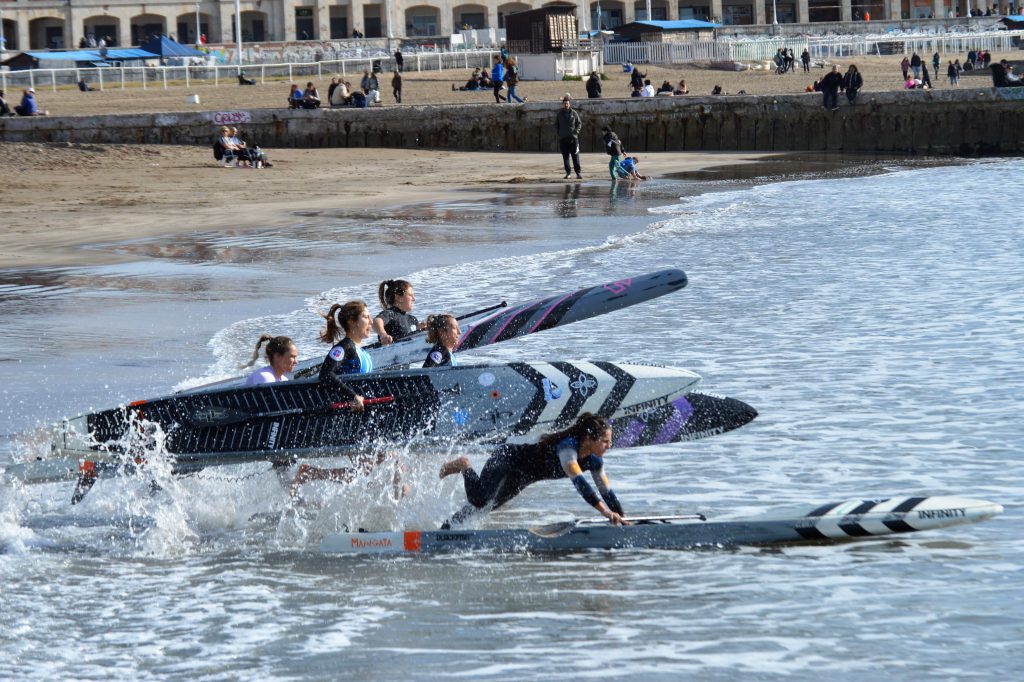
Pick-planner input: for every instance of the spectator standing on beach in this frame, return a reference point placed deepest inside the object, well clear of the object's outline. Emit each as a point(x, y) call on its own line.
point(805, 59)
point(498, 79)
point(926, 82)
point(936, 60)
point(512, 80)
point(399, 61)
point(905, 67)
point(829, 86)
point(915, 64)
point(594, 86)
point(790, 60)
point(396, 86)
point(636, 79)
point(568, 126)
point(852, 83)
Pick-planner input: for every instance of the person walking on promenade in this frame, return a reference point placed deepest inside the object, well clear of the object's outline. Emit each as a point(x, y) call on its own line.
point(594, 86)
point(829, 86)
point(852, 83)
point(512, 79)
point(915, 64)
point(805, 59)
point(568, 125)
point(953, 75)
point(498, 79)
point(905, 67)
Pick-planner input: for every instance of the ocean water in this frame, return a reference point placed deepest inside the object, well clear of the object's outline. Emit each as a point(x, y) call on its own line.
point(873, 316)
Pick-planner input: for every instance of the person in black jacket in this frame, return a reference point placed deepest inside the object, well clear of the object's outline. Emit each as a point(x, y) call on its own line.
point(594, 86)
point(829, 86)
point(915, 64)
point(852, 83)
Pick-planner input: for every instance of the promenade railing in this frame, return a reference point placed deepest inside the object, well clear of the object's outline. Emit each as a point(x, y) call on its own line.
point(124, 76)
point(820, 47)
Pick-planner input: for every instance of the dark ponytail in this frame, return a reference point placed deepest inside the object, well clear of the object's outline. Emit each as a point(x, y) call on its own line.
point(390, 288)
point(587, 425)
point(339, 318)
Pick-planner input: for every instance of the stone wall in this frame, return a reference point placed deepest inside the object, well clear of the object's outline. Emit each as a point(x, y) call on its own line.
point(970, 121)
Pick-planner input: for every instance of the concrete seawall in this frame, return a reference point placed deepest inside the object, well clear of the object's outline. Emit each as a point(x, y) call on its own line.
point(968, 122)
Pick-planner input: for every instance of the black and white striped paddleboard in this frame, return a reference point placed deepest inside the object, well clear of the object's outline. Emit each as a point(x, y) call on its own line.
point(440, 406)
point(850, 520)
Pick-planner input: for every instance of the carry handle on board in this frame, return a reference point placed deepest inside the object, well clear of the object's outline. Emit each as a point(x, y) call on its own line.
point(556, 530)
point(213, 417)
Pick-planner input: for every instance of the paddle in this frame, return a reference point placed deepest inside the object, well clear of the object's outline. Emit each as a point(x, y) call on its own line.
point(556, 530)
point(209, 417)
point(475, 313)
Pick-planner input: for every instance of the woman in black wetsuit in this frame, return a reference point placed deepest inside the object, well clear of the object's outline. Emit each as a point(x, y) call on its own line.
point(563, 454)
point(347, 327)
point(442, 331)
point(395, 321)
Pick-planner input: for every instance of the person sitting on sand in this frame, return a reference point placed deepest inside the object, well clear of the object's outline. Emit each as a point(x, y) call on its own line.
point(5, 108)
point(281, 354)
point(295, 97)
point(681, 89)
point(85, 87)
point(648, 89)
point(472, 85)
point(911, 83)
point(28, 106)
point(310, 97)
point(231, 148)
point(665, 89)
point(717, 90)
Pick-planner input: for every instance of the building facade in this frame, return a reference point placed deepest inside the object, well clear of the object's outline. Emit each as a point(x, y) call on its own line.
point(50, 24)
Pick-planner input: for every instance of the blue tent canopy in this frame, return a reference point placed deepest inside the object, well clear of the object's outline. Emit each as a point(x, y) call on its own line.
point(162, 46)
point(679, 25)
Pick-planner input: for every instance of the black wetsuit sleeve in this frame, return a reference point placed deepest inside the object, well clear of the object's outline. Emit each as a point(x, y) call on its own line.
point(337, 360)
point(439, 356)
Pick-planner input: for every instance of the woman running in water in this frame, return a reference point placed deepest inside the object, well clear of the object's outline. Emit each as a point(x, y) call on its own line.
point(442, 331)
point(347, 327)
point(395, 321)
point(563, 454)
point(282, 356)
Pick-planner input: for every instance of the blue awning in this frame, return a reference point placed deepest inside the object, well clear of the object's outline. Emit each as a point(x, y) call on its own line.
point(679, 25)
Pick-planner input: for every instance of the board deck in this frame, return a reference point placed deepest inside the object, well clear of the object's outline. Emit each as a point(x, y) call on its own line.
point(849, 520)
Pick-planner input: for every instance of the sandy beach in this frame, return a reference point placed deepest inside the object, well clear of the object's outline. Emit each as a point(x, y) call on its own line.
point(61, 197)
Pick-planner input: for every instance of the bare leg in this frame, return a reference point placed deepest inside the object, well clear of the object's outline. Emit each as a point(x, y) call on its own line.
point(309, 473)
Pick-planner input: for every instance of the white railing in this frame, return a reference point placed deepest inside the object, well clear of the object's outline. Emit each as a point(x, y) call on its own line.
point(221, 74)
point(820, 47)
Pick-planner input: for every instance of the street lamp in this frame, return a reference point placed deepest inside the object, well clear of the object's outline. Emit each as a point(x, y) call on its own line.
point(238, 31)
point(775, 14)
point(197, 23)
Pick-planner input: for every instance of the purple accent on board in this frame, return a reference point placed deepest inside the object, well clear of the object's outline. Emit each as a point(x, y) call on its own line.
point(548, 312)
point(630, 435)
point(675, 423)
point(511, 316)
point(489, 318)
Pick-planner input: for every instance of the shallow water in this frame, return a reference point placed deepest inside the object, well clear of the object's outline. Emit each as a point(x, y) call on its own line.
point(875, 322)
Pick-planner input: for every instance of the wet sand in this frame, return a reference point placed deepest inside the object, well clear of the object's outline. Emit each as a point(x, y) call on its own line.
point(63, 197)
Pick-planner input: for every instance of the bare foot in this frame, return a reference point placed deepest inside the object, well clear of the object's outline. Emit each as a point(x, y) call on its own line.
point(456, 466)
point(301, 476)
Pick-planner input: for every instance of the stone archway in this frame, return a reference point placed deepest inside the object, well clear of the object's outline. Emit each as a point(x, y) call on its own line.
point(46, 33)
point(145, 26)
point(422, 21)
point(101, 27)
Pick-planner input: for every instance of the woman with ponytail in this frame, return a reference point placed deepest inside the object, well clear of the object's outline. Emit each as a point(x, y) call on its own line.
point(395, 322)
point(442, 331)
point(347, 327)
point(282, 356)
point(563, 454)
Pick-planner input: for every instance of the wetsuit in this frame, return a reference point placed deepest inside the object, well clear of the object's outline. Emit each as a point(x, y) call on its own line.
point(344, 358)
point(511, 468)
point(439, 356)
point(398, 324)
